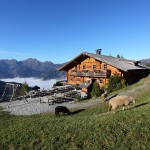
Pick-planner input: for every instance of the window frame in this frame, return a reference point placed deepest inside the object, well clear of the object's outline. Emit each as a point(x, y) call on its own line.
point(105, 66)
point(84, 67)
point(94, 67)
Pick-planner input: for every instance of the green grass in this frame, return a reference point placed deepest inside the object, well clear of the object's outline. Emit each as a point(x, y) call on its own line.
point(90, 129)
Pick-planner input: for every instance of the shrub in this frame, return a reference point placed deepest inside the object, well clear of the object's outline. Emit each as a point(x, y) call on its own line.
point(115, 82)
point(36, 88)
point(76, 86)
point(24, 88)
point(96, 91)
point(78, 98)
point(57, 84)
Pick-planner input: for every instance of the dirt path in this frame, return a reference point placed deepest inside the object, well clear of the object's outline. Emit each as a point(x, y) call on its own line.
point(35, 107)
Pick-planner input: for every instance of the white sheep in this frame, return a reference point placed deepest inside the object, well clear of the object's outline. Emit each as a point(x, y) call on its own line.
point(120, 101)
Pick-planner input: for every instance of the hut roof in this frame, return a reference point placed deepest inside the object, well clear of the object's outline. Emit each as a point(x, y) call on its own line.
point(120, 63)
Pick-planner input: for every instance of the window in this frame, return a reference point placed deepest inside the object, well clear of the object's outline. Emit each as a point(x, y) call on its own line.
point(94, 67)
point(105, 66)
point(78, 79)
point(88, 81)
point(84, 67)
point(101, 81)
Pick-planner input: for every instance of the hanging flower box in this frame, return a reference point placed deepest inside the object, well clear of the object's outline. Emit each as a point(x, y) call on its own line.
point(85, 71)
point(98, 71)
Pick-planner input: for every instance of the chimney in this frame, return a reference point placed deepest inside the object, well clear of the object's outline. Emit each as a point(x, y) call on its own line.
point(98, 51)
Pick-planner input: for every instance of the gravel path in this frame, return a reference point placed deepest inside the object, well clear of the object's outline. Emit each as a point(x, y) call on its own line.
point(33, 106)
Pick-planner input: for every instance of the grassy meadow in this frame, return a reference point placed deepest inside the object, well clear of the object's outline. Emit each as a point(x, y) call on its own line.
point(90, 129)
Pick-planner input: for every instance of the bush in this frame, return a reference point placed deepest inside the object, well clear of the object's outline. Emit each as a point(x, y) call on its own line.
point(57, 84)
point(25, 88)
point(115, 82)
point(96, 91)
point(78, 98)
point(36, 88)
point(76, 86)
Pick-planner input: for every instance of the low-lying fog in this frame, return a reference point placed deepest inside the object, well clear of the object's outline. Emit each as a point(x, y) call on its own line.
point(43, 84)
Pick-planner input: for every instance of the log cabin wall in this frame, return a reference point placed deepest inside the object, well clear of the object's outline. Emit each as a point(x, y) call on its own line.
point(87, 66)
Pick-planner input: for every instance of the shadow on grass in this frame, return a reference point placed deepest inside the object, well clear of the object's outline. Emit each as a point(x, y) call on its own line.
point(142, 104)
point(77, 111)
point(126, 109)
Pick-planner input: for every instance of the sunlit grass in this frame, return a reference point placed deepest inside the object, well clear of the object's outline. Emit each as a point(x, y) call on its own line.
point(89, 129)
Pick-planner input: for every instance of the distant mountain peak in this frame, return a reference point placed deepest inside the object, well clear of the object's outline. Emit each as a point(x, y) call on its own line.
point(31, 59)
point(36, 60)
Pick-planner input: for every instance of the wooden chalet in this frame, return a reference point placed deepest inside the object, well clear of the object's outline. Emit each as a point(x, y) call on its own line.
point(89, 67)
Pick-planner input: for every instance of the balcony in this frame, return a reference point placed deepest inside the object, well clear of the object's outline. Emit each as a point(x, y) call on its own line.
point(92, 74)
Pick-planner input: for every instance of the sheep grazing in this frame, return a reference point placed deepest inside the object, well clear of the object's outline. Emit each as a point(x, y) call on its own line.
point(61, 109)
point(120, 101)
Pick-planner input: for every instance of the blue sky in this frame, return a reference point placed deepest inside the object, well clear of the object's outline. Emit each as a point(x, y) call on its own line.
point(59, 30)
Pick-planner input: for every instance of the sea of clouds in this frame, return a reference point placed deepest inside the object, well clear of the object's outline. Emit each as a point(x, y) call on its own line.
point(43, 84)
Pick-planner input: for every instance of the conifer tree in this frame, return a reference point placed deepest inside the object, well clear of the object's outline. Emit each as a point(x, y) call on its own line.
point(96, 92)
point(24, 88)
point(118, 56)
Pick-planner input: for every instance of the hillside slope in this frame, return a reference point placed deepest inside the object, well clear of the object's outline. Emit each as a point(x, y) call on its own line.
point(90, 128)
point(145, 61)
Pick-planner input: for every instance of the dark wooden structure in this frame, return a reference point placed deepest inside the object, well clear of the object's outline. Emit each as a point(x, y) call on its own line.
point(88, 67)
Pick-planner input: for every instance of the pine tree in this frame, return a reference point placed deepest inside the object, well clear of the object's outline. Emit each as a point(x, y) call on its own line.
point(96, 92)
point(118, 56)
point(24, 88)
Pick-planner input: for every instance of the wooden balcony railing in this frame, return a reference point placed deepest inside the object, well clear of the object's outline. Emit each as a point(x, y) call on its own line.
point(90, 74)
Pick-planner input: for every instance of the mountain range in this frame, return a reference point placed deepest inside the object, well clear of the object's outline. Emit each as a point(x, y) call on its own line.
point(145, 62)
point(30, 68)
